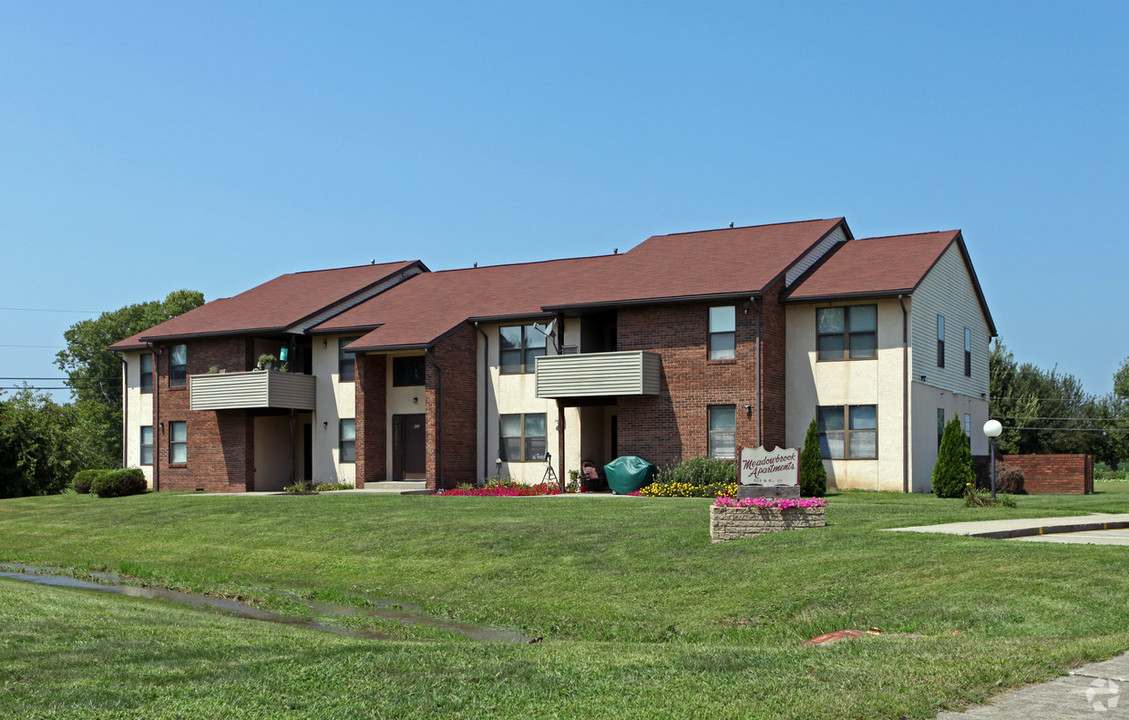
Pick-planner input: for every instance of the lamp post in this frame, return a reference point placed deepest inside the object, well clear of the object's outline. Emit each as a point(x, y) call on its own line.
point(992, 429)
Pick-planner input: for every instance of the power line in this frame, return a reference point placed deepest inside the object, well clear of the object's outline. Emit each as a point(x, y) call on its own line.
point(1064, 419)
point(34, 346)
point(83, 312)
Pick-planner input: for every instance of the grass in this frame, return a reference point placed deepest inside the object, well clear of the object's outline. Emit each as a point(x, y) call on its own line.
point(641, 615)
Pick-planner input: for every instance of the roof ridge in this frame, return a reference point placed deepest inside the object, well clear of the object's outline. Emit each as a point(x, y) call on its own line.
point(750, 227)
point(349, 267)
point(522, 264)
point(928, 232)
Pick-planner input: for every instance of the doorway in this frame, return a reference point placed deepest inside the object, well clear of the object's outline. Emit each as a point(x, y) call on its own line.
point(409, 441)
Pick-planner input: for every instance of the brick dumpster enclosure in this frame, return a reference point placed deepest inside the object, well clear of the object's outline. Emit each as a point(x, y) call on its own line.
point(1055, 474)
point(734, 523)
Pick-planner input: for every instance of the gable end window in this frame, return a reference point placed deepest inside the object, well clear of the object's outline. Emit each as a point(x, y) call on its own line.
point(940, 341)
point(723, 431)
point(346, 365)
point(178, 441)
point(847, 333)
point(723, 333)
point(522, 437)
point(967, 352)
point(408, 371)
point(848, 432)
point(178, 366)
point(147, 373)
point(519, 346)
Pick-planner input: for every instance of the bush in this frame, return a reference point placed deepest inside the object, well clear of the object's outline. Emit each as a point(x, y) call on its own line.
point(680, 489)
point(301, 488)
point(1008, 479)
point(119, 483)
point(953, 470)
point(699, 472)
point(83, 479)
point(813, 476)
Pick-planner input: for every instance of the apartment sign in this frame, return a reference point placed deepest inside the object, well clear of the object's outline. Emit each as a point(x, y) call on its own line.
point(779, 467)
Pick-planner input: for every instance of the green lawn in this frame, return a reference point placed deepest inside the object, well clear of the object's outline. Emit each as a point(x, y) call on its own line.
point(641, 615)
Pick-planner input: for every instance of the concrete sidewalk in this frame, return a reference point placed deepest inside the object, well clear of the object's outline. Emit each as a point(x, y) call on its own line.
point(1031, 527)
point(1091, 691)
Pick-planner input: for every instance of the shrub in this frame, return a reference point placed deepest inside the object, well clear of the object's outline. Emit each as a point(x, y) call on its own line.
point(119, 483)
point(681, 489)
point(301, 488)
point(975, 497)
point(698, 472)
point(953, 470)
point(813, 476)
point(331, 486)
point(1008, 479)
point(83, 479)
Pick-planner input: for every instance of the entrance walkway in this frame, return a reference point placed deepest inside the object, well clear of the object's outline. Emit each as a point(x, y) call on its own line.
point(1098, 529)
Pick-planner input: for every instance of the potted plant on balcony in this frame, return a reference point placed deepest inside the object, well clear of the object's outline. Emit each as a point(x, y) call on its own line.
point(267, 361)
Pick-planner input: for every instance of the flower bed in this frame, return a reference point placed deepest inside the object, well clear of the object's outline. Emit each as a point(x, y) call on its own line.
point(495, 490)
point(732, 519)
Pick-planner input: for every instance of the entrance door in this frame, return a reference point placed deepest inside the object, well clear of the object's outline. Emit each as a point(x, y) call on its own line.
point(307, 452)
point(409, 439)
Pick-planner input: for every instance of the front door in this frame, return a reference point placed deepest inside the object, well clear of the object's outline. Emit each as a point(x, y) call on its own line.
point(409, 439)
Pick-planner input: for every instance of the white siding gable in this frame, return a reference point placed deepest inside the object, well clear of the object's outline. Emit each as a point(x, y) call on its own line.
point(835, 237)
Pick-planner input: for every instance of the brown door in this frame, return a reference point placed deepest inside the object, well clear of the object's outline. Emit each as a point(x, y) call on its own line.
point(409, 438)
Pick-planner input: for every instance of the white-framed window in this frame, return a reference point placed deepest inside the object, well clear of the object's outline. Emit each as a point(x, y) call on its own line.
point(146, 444)
point(523, 437)
point(519, 346)
point(723, 332)
point(178, 366)
point(967, 352)
point(346, 363)
point(968, 428)
point(146, 372)
point(178, 441)
point(848, 432)
point(847, 333)
point(347, 443)
point(723, 431)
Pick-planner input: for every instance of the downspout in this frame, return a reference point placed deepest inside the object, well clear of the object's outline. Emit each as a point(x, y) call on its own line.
point(125, 406)
point(485, 405)
point(438, 419)
point(905, 394)
point(760, 397)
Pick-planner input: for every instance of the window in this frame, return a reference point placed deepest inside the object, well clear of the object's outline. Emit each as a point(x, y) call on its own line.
point(146, 444)
point(723, 332)
point(847, 333)
point(849, 432)
point(147, 372)
point(523, 437)
point(347, 432)
point(346, 367)
point(407, 371)
point(723, 431)
point(967, 352)
point(178, 441)
point(940, 426)
point(940, 341)
point(968, 429)
point(178, 366)
point(519, 346)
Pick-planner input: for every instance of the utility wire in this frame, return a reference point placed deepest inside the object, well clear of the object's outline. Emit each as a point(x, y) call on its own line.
point(84, 312)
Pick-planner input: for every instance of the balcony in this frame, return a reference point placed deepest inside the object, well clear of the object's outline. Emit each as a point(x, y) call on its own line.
point(254, 389)
point(598, 374)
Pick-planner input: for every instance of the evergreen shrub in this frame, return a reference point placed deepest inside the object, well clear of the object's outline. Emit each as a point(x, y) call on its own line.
point(83, 479)
point(953, 470)
point(119, 483)
point(813, 476)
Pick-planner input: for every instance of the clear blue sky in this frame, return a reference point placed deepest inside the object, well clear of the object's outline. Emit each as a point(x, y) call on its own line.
point(147, 147)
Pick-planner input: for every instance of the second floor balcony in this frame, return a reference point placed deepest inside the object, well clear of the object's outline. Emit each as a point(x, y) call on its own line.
point(253, 389)
point(599, 374)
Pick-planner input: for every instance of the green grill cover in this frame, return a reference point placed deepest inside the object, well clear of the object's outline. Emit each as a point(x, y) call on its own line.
point(628, 473)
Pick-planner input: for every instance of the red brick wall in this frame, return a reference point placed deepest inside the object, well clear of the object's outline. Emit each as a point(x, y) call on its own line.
point(673, 425)
point(221, 444)
point(371, 390)
point(455, 443)
point(1059, 474)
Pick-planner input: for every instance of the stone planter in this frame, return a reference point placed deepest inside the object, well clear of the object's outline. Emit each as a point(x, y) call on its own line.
point(733, 523)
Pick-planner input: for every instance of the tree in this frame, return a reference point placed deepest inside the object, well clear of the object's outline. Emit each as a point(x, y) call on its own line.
point(94, 373)
point(41, 444)
point(813, 476)
point(1029, 399)
point(953, 469)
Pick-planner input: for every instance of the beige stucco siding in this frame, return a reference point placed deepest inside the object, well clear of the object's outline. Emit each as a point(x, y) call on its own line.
point(811, 383)
point(139, 411)
point(926, 400)
point(335, 400)
point(404, 400)
point(947, 290)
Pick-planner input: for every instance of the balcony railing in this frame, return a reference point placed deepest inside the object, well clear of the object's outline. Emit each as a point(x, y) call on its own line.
point(254, 389)
point(596, 374)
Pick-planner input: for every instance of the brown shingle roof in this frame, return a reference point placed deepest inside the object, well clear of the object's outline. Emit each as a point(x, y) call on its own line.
point(731, 261)
point(882, 266)
point(273, 306)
